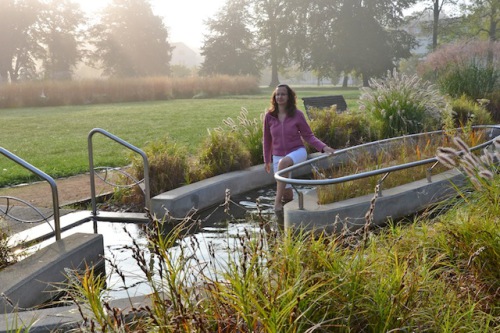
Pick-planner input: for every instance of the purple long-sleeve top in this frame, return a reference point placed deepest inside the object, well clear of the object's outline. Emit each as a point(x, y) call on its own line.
point(281, 138)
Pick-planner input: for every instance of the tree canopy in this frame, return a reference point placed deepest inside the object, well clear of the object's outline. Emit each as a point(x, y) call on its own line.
point(19, 48)
point(61, 29)
point(130, 40)
point(50, 38)
point(230, 47)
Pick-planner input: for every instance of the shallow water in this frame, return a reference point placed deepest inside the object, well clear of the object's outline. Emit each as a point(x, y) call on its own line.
point(214, 239)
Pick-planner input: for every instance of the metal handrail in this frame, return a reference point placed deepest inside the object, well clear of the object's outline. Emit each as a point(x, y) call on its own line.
point(50, 180)
point(330, 181)
point(92, 170)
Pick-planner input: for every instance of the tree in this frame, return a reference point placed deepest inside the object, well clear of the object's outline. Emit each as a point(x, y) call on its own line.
point(275, 20)
point(436, 7)
point(484, 18)
point(18, 47)
point(334, 36)
point(366, 38)
point(361, 43)
point(61, 31)
point(314, 37)
point(131, 41)
point(230, 47)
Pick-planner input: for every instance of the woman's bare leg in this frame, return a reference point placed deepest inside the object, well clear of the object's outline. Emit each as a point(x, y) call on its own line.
point(287, 195)
point(284, 163)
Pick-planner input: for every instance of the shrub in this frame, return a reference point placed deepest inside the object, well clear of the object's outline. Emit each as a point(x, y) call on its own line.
point(340, 130)
point(401, 104)
point(492, 104)
point(168, 165)
point(470, 80)
point(221, 153)
point(466, 111)
point(248, 132)
point(5, 252)
point(467, 67)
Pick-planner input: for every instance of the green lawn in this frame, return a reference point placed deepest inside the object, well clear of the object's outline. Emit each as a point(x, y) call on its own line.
point(54, 139)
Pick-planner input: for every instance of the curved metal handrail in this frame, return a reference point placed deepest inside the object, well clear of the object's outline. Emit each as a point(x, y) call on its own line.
point(50, 180)
point(92, 170)
point(135, 182)
point(24, 202)
point(330, 181)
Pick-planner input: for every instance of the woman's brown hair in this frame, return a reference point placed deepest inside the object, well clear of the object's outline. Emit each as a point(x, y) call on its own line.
point(291, 104)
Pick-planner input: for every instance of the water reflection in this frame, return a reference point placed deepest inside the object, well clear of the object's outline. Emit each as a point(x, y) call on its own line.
point(216, 237)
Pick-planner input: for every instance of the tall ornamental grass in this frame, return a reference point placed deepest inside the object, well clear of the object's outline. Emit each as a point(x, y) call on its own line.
point(404, 151)
point(7, 256)
point(221, 153)
point(247, 131)
point(470, 68)
point(400, 104)
point(97, 91)
point(466, 111)
point(340, 130)
point(168, 165)
point(472, 80)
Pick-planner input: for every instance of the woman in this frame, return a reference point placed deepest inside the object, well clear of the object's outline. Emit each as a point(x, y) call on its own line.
point(284, 129)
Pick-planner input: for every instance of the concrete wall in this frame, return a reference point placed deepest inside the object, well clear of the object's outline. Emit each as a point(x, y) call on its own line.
point(395, 203)
point(35, 279)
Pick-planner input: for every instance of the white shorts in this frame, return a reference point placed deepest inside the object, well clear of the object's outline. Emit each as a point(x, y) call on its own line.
point(297, 156)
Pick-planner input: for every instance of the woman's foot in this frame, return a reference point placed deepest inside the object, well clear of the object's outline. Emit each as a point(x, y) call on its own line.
point(280, 216)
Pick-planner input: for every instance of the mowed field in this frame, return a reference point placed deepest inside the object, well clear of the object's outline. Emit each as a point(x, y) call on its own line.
point(55, 139)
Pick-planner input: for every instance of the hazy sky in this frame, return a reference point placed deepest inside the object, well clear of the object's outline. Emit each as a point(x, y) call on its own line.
point(183, 18)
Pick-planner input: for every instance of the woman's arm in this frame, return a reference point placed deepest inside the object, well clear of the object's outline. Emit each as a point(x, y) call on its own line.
point(307, 134)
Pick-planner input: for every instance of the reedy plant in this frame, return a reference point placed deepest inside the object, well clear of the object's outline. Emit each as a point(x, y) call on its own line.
point(400, 104)
point(248, 131)
point(6, 255)
point(465, 112)
point(471, 79)
point(340, 129)
point(405, 151)
point(480, 234)
point(168, 169)
point(469, 67)
point(222, 153)
point(401, 278)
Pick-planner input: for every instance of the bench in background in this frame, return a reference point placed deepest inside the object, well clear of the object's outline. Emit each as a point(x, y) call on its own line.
point(322, 102)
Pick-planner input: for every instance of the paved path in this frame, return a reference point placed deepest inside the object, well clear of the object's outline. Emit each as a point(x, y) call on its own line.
point(70, 190)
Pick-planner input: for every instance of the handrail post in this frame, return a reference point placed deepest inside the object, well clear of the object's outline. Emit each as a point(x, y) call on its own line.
point(50, 180)
point(147, 194)
point(301, 200)
point(300, 196)
point(429, 172)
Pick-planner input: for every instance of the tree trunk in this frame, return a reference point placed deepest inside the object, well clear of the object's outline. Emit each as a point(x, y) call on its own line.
point(345, 82)
point(274, 60)
point(435, 24)
point(365, 80)
point(492, 36)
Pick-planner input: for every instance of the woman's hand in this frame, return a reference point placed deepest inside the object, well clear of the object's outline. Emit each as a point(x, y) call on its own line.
point(328, 150)
point(268, 167)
